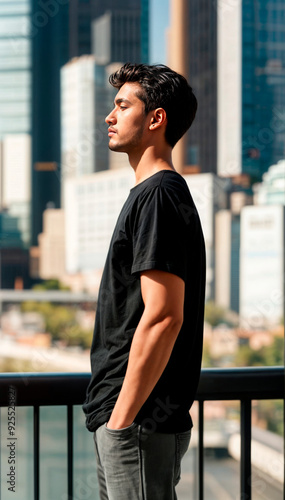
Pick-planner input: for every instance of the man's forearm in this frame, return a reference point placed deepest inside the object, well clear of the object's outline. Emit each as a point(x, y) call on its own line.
point(149, 354)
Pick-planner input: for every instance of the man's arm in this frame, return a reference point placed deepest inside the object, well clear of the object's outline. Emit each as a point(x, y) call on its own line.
point(153, 341)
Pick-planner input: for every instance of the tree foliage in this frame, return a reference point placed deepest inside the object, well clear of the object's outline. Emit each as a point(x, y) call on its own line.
point(272, 355)
point(52, 284)
point(60, 321)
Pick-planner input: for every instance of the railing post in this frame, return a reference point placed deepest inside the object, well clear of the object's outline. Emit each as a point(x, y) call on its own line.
point(245, 452)
point(36, 453)
point(70, 452)
point(201, 451)
point(284, 432)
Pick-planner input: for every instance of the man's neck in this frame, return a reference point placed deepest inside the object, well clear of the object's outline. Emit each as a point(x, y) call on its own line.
point(151, 163)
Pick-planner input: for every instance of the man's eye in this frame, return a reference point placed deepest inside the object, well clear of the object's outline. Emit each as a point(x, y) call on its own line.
point(123, 107)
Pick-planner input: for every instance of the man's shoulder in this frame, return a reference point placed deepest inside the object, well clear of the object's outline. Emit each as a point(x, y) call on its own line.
point(168, 180)
point(173, 180)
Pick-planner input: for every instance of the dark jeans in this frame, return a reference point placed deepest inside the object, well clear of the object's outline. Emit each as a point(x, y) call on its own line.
point(136, 465)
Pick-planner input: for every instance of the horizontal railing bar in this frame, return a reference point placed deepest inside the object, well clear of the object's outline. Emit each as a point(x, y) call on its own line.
point(47, 389)
point(241, 383)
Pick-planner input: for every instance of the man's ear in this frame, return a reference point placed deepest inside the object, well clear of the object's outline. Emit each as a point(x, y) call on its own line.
point(158, 118)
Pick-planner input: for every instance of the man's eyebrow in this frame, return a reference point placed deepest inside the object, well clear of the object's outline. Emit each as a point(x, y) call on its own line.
point(122, 99)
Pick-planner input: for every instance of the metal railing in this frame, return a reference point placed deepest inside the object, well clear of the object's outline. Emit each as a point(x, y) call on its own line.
point(52, 389)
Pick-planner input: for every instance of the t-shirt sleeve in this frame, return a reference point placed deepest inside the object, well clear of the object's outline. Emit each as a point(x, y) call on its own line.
point(161, 233)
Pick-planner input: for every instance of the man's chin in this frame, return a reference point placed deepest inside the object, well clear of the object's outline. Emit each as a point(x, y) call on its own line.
point(116, 147)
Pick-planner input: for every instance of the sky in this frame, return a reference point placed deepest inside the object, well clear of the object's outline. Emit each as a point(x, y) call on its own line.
point(159, 21)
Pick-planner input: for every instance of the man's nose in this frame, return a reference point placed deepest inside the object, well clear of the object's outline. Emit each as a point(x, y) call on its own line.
point(110, 118)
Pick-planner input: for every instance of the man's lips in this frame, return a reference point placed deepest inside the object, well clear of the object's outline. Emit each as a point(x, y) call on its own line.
point(111, 132)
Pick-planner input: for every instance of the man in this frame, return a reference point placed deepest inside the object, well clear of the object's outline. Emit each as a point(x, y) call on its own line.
point(147, 345)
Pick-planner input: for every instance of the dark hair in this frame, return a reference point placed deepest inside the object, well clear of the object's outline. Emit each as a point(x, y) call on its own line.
point(161, 88)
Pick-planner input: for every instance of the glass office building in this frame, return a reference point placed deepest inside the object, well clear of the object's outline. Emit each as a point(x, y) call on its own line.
point(15, 67)
point(36, 40)
point(237, 68)
point(83, 12)
point(263, 85)
point(64, 36)
point(202, 64)
point(15, 121)
point(115, 37)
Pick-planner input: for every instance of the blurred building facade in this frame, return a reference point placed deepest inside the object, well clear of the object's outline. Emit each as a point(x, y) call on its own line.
point(227, 227)
point(92, 205)
point(86, 100)
point(15, 166)
point(15, 68)
point(129, 14)
point(15, 119)
point(237, 69)
point(262, 266)
point(227, 251)
point(36, 40)
point(116, 36)
point(201, 147)
point(272, 188)
point(52, 245)
point(50, 34)
point(209, 194)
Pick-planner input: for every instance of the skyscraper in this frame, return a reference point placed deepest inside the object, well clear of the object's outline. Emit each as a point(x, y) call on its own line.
point(237, 68)
point(58, 36)
point(83, 12)
point(115, 37)
point(15, 114)
point(86, 99)
point(15, 68)
point(36, 39)
point(49, 33)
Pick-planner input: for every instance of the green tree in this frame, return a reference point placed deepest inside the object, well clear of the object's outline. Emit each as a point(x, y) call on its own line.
point(246, 356)
point(214, 315)
point(52, 284)
point(60, 321)
point(272, 355)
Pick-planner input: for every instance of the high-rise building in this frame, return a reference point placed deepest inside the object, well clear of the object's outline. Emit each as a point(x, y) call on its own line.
point(15, 67)
point(271, 190)
point(49, 33)
point(83, 13)
point(78, 117)
point(262, 258)
point(36, 39)
point(86, 99)
point(52, 245)
point(208, 192)
point(227, 251)
point(15, 114)
point(92, 205)
point(237, 69)
point(115, 37)
point(15, 166)
point(202, 73)
point(64, 33)
point(227, 229)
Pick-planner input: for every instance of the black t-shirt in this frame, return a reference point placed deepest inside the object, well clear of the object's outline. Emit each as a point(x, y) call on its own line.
point(158, 228)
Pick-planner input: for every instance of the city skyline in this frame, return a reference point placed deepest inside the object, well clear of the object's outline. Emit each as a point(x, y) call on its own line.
point(75, 104)
point(61, 192)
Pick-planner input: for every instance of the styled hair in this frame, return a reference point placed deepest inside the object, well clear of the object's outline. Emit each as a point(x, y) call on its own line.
point(161, 87)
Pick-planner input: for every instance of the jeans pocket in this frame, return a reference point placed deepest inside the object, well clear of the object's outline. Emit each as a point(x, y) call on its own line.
point(182, 445)
point(125, 431)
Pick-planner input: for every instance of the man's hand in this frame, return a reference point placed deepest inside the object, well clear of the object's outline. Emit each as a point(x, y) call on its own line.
point(153, 341)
